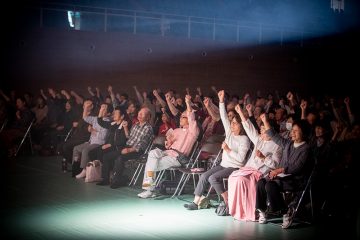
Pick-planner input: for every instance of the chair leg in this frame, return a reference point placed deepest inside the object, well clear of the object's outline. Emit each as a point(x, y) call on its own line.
point(141, 168)
point(20, 145)
point(133, 177)
point(178, 186)
point(159, 177)
point(185, 181)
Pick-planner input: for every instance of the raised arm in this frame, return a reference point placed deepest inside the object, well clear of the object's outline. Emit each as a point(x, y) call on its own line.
point(87, 109)
point(348, 110)
point(188, 103)
point(66, 94)
point(77, 97)
point(223, 115)
point(160, 100)
point(43, 94)
point(212, 109)
point(138, 95)
point(174, 111)
point(114, 100)
point(4, 96)
point(90, 91)
point(282, 142)
point(303, 106)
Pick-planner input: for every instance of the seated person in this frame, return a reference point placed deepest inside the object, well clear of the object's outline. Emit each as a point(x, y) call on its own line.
point(181, 139)
point(235, 148)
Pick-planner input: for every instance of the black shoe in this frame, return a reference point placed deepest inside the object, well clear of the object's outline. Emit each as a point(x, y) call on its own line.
point(191, 206)
point(103, 183)
point(115, 185)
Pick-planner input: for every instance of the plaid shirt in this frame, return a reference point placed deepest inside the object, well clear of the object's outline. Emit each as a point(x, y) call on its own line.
point(140, 136)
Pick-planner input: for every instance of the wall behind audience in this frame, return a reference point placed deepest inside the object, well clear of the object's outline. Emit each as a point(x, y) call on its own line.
point(73, 60)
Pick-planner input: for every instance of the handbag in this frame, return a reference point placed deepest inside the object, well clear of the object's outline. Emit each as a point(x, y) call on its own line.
point(93, 171)
point(182, 158)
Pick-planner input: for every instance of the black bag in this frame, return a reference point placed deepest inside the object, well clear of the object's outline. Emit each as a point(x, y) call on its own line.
point(222, 209)
point(167, 186)
point(182, 158)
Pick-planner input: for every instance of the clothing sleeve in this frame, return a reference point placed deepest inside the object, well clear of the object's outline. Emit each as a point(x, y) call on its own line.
point(272, 161)
point(193, 127)
point(240, 153)
point(282, 142)
point(253, 121)
point(250, 131)
point(90, 120)
point(104, 124)
point(224, 118)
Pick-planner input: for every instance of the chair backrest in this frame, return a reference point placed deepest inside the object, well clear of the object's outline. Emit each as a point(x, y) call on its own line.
point(159, 140)
point(211, 149)
point(216, 138)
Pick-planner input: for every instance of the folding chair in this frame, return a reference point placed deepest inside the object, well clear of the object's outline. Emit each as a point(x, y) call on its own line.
point(26, 135)
point(68, 134)
point(173, 169)
point(298, 203)
point(216, 138)
point(214, 149)
point(307, 188)
point(141, 162)
point(3, 125)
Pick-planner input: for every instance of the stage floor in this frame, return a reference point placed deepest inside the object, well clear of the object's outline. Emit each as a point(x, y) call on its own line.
point(42, 202)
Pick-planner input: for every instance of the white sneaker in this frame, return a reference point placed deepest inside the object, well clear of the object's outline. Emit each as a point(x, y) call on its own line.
point(287, 221)
point(142, 193)
point(82, 174)
point(262, 217)
point(147, 194)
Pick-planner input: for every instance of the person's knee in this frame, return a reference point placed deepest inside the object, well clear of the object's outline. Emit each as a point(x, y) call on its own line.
point(213, 179)
point(269, 186)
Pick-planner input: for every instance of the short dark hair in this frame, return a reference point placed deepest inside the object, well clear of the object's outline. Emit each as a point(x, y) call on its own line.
point(305, 128)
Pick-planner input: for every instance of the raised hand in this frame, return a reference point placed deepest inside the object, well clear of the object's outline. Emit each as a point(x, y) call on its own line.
point(347, 100)
point(206, 101)
point(303, 104)
point(249, 107)
point(221, 95)
point(263, 117)
point(238, 108)
point(290, 96)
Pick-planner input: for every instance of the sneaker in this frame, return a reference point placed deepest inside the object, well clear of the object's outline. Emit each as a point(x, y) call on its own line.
point(287, 220)
point(191, 206)
point(204, 203)
point(262, 217)
point(147, 194)
point(141, 194)
point(82, 174)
